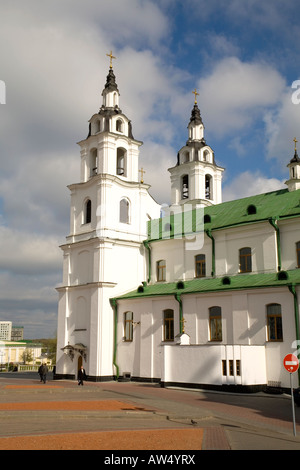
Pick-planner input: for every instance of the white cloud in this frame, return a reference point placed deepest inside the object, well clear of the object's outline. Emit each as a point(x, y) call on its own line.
point(236, 93)
point(250, 183)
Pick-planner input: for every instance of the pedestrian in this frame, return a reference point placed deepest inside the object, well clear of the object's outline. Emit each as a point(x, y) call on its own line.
point(81, 375)
point(44, 371)
point(40, 372)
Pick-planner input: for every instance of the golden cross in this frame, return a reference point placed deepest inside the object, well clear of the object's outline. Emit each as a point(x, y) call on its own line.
point(142, 171)
point(111, 58)
point(196, 94)
point(295, 140)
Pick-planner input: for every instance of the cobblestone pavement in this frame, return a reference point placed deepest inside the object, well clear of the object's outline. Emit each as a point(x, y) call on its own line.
point(123, 416)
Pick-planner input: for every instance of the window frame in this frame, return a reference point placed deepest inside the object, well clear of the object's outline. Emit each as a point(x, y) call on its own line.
point(215, 323)
point(87, 212)
point(168, 325)
point(128, 326)
point(245, 260)
point(276, 318)
point(161, 270)
point(124, 211)
point(200, 262)
point(298, 254)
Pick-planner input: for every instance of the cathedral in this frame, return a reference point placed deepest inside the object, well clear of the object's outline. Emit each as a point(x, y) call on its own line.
point(202, 293)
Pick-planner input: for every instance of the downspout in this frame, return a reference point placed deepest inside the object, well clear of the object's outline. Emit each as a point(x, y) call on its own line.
point(272, 221)
point(209, 234)
point(178, 298)
point(114, 305)
point(296, 313)
point(147, 246)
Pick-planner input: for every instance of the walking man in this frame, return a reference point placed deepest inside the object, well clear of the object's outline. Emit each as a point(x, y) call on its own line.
point(81, 375)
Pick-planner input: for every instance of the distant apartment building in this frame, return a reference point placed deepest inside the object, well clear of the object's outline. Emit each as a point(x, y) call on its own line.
point(5, 330)
point(17, 333)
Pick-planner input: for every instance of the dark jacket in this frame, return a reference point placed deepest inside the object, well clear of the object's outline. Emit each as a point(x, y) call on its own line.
point(81, 374)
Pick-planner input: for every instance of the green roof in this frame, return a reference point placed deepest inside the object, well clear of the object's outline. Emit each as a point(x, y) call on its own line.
point(225, 283)
point(280, 204)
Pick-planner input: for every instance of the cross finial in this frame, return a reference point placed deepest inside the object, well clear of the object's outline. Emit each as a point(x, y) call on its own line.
point(295, 140)
point(111, 58)
point(196, 94)
point(142, 171)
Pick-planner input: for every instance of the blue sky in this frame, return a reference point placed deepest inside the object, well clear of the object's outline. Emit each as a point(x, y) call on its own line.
point(241, 56)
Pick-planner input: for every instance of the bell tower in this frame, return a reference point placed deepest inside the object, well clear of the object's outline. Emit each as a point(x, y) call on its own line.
point(103, 255)
point(293, 182)
point(196, 179)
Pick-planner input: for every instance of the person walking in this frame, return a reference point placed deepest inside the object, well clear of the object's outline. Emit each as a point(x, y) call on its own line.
point(40, 372)
point(44, 371)
point(81, 375)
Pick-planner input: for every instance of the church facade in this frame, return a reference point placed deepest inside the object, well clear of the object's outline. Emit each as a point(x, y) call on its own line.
point(203, 293)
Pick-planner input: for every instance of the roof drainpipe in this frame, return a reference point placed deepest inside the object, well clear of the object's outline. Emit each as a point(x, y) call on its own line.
point(272, 221)
point(178, 298)
point(147, 246)
point(209, 234)
point(296, 313)
point(114, 305)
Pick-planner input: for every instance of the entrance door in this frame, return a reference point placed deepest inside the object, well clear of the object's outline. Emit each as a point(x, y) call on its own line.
point(79, 363)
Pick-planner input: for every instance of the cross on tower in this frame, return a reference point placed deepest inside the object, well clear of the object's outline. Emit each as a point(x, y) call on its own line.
point(142, 171)
point(196, 94)
point(111, 58)
point(295, 140)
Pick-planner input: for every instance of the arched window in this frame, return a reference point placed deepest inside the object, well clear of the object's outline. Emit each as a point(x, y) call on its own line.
point(124, 211)
point(274, 322)
point(88, 212)
point(161, 270)
point(215, 323)
point(245, 260)
point(121, 162)
point(200, 270)
point(168, 327)
point(208, 187)
point(119, 125)
point(298, 254)
point(128, 326)
point(185, 187)
point(93, 162)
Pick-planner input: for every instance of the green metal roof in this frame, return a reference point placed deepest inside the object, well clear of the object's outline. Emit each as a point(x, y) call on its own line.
point(225, 283)
point(280, 204)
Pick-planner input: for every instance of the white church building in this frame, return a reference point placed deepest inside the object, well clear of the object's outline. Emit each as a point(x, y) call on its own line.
point(203, 293)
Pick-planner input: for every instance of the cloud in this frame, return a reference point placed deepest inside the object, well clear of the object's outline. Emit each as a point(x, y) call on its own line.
point(236, 93)
point(250, 183)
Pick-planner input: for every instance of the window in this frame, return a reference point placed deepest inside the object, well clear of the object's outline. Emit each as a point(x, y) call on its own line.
point(168, 334)
point(215, 323)
point(200, 270)
point(231, 372)
point(208, 187)
point(124, 211)
point(224, 367)
point(119, 125)
point(128, 326)
point(121, 162)
point(161, 270)
point(274, 322)
point(245, 260)
point(88, 212)
point(93, 162)
point(185, 187)
point(298, 254)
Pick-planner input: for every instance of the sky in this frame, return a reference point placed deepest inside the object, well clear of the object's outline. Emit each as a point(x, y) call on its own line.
point(243, 57)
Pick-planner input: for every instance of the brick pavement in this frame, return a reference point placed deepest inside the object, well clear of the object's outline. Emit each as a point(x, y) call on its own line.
point(60, 411)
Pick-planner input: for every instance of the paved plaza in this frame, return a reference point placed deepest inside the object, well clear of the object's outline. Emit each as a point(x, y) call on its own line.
point(123, 416)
